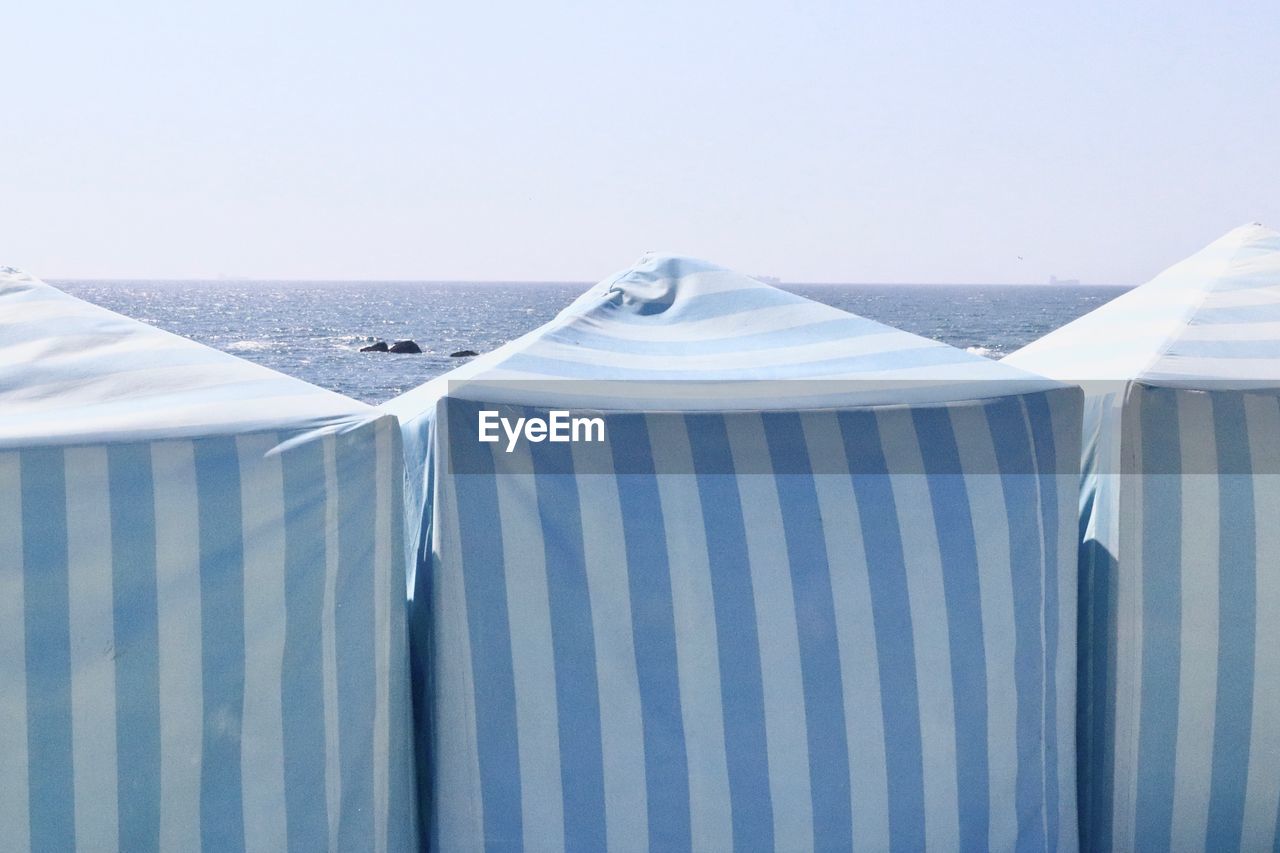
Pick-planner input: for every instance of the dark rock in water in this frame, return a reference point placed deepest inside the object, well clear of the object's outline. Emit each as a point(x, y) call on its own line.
point(463, 353)
point(380, 346)
point(405, 346)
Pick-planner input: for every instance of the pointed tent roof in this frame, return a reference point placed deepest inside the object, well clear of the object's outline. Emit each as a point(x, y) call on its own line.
point(72, 372)
point(1212, 318)
point(674, 333)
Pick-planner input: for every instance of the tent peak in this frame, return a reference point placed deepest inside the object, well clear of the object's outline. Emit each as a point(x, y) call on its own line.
point(1249, 234)
point(75, 372)
point(13, 277)
point(659, 282)
point(1208, 321)
point(677, 333)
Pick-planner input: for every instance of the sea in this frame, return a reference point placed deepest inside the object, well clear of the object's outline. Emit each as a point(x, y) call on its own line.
point(314, 330)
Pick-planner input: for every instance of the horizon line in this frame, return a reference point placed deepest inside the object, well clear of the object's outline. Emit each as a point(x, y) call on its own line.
point(775, 282)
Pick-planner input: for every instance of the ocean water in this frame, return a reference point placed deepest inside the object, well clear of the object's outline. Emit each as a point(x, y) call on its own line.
point(314, 330)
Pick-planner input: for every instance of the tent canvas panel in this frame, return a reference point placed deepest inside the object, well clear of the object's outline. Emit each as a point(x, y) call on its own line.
point(1179, 732)
point(699, 633)
point(202, 640)
point(815, 587)
point(1179, 727)
point(203, 643)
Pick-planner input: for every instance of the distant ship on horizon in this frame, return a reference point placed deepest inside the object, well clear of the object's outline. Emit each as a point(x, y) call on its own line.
point(768, 279)
point(1054, 281)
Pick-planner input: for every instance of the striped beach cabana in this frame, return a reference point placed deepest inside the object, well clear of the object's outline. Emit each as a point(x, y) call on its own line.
point(814, 588)
point(1180, 554)
point(201, 596)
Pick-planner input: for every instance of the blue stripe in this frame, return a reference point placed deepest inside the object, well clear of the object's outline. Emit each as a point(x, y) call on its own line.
point(653, 623)
point(741, 679)
point(302, 682)
point(1161, 617)
point(827, 329)
point(269, 398)
point(419, 625)
point(927, 354)
point(1096, 710)
point(222, 642)
point(803, 530)
point(956, 545)
point(137, 645)
point(422, 690)
point(573, 640)
point(50, 782)
point(166, 353)
point(1096, 639)
point(1237, 623)
point(1275, 846)
point(402, 789)
point(1227, 348)
point(33, 290)
point(1013, 457)
point(484, 578)
point(354, 633)
point(1041, 418)
point(891, 612)
point(1267, 313)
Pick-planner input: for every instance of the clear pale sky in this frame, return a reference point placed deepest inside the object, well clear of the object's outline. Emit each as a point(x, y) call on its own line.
point(821, 141)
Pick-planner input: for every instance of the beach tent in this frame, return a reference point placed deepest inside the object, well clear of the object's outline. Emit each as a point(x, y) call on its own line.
point(201, 599)
point(1180, 556)
point(808, 583)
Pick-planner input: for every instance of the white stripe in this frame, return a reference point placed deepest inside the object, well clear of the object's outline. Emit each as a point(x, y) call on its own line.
point(771, 318)
point(621, 723)
point(878, 381)
point(93, 672)
point(329, 642)
point(180, 676)
point(67, 421)
point(697, 653)
point(1262, 790)
point(929, 627)
point(1128, 505)
point(1103, 483)
point(816, 351)
point(1044, 673)
point(855, 632)
point(813, 392)
point(1173, 367)
point(1228, 333)
point(14, 817)
point(1249, 298)
point(141, 393)
point(1198, 639)
point(818, 391)
point(383, 583)
point(262, 728)
point(532, 654)
point(459, 817)
point(976, 448)
point(1065, 414)
point(784, 715)
point(29, 310)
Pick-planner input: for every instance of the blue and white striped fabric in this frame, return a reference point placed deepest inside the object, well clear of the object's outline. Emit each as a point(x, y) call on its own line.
point(201, 619)
point(1180, 553)
point(814, 619)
